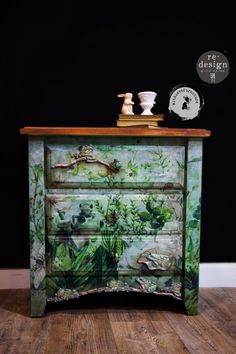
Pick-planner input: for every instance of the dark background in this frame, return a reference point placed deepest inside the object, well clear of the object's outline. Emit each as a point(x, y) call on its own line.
point(62, 66)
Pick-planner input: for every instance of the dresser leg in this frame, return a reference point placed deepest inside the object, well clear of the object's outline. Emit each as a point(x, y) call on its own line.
point(38, 302)
point(193, 310)
point(191, 302)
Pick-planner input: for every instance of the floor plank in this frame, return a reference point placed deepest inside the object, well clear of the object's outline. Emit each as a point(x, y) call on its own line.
point(201, 335)
point(18, 332)
point(144, 336)
point(220, 311)
point(118, 325)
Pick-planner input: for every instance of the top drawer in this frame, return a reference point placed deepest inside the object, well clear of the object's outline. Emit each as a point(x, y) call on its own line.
point(112, 162)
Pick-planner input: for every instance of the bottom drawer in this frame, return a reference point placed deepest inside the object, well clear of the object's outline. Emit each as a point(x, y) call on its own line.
point(91, 256)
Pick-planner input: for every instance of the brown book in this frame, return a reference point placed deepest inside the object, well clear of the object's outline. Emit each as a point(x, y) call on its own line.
point(139, 120)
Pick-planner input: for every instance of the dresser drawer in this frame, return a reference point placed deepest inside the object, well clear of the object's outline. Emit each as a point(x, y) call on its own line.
point(124, 212)
point(115, 162)
point(116, 254)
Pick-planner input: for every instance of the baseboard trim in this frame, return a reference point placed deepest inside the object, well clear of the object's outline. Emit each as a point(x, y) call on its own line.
point(211, 275)
point(214, 275)
point(14, 278)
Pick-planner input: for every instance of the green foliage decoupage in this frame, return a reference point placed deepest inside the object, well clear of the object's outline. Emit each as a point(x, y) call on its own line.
point(113, 226)
point(114, 221)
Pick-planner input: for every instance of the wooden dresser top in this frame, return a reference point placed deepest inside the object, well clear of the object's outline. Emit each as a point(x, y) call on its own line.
point(116, 131)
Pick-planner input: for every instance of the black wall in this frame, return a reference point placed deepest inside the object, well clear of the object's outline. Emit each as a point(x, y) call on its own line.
point(64, 67)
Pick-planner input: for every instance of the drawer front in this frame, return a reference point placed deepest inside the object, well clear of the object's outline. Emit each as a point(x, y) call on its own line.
point(108, 213)
point(84, 162)
point(112, 255)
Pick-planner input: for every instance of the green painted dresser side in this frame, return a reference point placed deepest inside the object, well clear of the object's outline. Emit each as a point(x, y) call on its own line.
point(192, 225)
point(95, 228)
point(37, 226)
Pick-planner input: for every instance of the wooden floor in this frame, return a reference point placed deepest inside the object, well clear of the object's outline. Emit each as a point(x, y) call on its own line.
point(119, 323)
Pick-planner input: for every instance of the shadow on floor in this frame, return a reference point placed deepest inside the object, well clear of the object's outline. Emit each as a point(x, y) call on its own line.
point(18, 301)
point(120, 301)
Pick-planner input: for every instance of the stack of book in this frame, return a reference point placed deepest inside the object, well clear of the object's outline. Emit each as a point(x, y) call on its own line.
point(131, 120)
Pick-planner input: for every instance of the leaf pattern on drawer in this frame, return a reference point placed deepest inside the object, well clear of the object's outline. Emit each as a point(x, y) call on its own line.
point(137, 163)
point(120, 213)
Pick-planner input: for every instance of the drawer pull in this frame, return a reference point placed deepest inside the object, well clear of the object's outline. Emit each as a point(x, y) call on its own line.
point(85, 154)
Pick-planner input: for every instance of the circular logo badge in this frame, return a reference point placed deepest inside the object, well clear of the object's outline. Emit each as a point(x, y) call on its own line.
point(212, 67)
point(185, 102)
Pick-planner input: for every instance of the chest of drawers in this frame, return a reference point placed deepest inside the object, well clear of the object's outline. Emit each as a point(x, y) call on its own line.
point(114, 209)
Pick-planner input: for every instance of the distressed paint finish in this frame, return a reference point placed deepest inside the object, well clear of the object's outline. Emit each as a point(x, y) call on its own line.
point(144, 163)
point(117, 212)
point(115, 255)
point(110, 217)
point(37, 226)
point(62, 288)
point(192, 230)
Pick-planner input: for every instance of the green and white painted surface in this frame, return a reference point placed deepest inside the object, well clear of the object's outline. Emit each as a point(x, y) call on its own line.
point(192, 226)
point(115, 212)
point(107, 214)
point(37, 225)
point(143, 163)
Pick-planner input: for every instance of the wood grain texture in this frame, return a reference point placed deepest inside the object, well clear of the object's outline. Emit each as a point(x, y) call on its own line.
point(146, 336)
point(80, 333)
point(18, 334)
point(115, 131)
point(98, 325)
